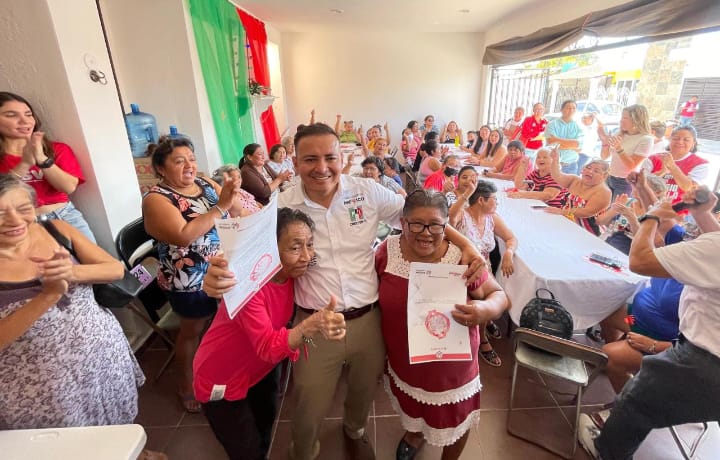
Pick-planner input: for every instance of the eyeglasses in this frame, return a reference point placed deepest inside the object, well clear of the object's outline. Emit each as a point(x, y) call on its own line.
point(419, 227)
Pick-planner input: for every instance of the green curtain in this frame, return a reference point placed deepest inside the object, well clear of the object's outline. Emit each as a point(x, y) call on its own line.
point(220, 40)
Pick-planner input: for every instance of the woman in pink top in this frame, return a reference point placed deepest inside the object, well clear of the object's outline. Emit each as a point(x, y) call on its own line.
point(235, 367)
point(410, 142)
point(514, 164)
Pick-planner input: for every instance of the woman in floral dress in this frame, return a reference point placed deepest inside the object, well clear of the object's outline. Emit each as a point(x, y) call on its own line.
point(180, 212)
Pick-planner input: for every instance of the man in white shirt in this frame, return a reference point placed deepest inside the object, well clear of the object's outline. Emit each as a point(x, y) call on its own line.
point(346, 211)
point(682, 384)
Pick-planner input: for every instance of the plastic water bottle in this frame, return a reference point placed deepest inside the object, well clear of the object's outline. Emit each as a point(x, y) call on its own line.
point(142, 130)
point(174, 134)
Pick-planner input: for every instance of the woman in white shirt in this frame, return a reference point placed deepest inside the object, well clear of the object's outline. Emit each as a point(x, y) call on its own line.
point(627, 149)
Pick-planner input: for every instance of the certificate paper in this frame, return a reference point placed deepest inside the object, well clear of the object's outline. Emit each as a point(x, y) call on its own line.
point(433, 334)
point(250, 247)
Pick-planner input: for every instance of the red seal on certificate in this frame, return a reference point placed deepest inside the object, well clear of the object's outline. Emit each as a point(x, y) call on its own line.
point(437, 324)
point(260, 267)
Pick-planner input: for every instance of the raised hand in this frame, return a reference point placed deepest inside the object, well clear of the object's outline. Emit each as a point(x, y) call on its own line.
point(33, 152)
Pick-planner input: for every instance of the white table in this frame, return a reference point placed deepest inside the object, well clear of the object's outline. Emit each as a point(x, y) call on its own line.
point(112, 442)
point(552, 253)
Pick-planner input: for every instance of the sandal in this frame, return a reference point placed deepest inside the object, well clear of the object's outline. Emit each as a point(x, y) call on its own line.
point(493, 330)
point(190, 404)
point(491, 357)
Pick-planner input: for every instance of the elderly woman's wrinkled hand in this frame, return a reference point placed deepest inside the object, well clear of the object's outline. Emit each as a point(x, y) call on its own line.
point(476, 267)
point(218, 279)
point(55, 272)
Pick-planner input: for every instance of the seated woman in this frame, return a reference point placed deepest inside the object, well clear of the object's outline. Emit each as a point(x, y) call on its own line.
point(539, 183)
point(379, 147)
point(257, 177)
point(621, 218)
point(180, 212)
point(681, 168)
point(432, 161)
point(279, 162)
point(471, 137)
point(348, 135)
point(64, 360)
point(466, 182)
point(242, 354)
point(451, 134)
point(50, 168)
point(495, 153)
point(585, 196)
point(231, 172)
point(392, 169)
point(429, 125)
point(645, 327)
point(515, 164)
point(375, 133)
point(481, 142)
point(372, 168)
point(437, 402)
point(410, 144)
point(481, 224)
point(444, 180)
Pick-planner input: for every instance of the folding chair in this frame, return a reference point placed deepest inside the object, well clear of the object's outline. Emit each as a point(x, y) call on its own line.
point(560, 358)
point(136, 247)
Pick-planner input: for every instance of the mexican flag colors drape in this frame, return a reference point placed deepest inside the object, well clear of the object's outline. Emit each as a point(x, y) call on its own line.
point(221, 38)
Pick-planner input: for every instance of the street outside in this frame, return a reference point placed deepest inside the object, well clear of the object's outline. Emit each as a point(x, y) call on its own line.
point(710, 150)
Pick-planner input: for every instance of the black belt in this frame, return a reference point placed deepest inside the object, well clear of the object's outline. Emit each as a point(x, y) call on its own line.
point(353, 313)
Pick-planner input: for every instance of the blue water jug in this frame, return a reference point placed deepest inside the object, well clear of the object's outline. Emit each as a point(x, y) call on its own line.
point(174, 134)
point(142, 130)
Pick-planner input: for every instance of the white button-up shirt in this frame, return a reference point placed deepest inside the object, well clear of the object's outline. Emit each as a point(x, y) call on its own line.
point(344, 263)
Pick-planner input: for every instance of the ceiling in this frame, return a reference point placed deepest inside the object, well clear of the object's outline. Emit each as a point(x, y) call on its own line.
point(417, 15)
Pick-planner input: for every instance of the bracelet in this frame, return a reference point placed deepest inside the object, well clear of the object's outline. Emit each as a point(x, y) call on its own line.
point(652, 348)
point(223, 213)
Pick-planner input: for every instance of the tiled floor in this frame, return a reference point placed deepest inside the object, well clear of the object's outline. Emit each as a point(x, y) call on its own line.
point(185, 436)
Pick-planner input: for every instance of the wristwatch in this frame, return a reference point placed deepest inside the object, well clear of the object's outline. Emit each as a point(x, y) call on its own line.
point(46, 164)
point(645, 217)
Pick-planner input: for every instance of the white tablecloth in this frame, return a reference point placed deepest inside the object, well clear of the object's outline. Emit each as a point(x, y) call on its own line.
point(113, 442)
point(552, 254)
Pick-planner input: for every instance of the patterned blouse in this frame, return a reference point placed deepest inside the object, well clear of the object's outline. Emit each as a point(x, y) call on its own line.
point(571, 201)
point(72, 367)
point(182, 269)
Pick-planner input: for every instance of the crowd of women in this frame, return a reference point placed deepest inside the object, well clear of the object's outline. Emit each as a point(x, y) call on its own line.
point(85, 373)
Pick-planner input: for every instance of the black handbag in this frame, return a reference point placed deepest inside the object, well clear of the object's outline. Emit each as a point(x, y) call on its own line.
point(115, 294)
point(547, 315)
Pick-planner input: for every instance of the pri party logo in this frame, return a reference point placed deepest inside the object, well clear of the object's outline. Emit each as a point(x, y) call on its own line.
point(260, 267)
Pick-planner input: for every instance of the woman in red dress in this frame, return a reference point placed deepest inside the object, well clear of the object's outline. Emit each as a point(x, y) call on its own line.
point(438, 402)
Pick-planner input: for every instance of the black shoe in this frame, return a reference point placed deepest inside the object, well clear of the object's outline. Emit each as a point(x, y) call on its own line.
point(360, 448)
point(405, 451)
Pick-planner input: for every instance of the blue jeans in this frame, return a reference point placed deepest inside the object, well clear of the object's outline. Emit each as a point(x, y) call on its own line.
point(618, 186)
point(70, 214)
point(680, 385)
point(582, 161)
point(685, 121)
point(569, 168)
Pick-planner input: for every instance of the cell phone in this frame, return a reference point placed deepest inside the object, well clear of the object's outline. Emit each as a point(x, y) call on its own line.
point(530, 184)
point(603, 260)
point(539, 206)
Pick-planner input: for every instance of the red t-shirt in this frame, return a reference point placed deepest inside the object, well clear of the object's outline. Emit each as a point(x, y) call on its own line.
point(46, 193)
point(239, 352)
point(686, 165)
point(436, 181)
point(532, 128)
point(689, 109)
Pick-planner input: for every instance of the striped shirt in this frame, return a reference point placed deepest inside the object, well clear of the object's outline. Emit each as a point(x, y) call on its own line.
point(540, 183)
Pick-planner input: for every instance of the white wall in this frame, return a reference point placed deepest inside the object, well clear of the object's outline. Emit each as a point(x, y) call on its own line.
point(154, 53)
point(50, 70)
point(382, 76)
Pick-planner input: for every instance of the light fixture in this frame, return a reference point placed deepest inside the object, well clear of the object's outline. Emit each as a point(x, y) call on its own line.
point(337, 11)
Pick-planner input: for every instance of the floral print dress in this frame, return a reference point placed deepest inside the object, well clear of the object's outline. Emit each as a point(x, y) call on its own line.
point(72, 367)
point(182, 269)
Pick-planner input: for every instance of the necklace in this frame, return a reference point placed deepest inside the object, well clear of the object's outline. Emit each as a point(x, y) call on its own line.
point(193, 188)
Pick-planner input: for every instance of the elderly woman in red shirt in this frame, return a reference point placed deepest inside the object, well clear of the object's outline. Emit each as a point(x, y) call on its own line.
point(235, 368)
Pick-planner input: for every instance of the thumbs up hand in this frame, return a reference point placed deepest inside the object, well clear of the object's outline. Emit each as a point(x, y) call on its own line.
point(332, 323)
